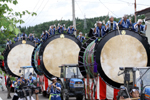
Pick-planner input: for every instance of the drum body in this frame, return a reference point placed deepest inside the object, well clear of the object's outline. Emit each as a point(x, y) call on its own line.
point(57, 50)
point(18, 55)
point(87, 60)
point(36, 60)
point(118, 49)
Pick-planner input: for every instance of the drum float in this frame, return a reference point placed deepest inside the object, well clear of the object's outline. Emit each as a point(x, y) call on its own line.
point(57, 50)
point(36, 60)
point(18, 55)
point(87, 59)
point(124, 49)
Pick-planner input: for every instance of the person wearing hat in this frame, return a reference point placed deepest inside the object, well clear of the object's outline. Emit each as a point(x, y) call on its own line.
point(61, 29)
point(80, 37)
point(51, 30)
point(54, 89)
point(70, 30)
point(138, 27)
point(100, 30)
point(36, 40)
point(16, 39)
point(44, 35)
point(24, 36)
point(124, 22)
point(111, 24)
point(31, 38)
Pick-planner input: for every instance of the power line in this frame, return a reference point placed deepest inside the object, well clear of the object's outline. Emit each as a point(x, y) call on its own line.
point(36, 11)
point(33, 10)
point(79, 8)
point(108, 8)
point(133, 3)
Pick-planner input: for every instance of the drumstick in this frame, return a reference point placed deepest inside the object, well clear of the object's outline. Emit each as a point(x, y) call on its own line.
point(60, 20)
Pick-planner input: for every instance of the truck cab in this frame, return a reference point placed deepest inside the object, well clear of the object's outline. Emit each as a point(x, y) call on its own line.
point(72, 82)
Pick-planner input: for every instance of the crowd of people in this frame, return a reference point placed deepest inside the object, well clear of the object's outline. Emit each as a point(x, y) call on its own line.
point(17, 83)
point(54, 89)
point(100, 30)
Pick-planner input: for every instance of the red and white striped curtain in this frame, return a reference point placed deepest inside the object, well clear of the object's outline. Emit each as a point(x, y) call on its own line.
point(102, 90)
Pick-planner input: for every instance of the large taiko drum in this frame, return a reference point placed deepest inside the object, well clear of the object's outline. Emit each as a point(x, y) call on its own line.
point(57, 50)
point(18, 55)
point(36, 60)
point(124, 49)
point(87, 60)
point(114, 50)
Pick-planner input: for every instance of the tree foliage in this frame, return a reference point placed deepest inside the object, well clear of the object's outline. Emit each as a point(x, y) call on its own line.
point(9, 19)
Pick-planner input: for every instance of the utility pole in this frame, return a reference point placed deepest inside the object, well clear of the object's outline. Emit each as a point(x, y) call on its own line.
point(135, 10)
point(73, 15)
point(85, 25)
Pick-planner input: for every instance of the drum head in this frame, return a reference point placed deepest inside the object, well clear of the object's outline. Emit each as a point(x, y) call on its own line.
point(17, 56)
point(126, 50)
point(58, 50)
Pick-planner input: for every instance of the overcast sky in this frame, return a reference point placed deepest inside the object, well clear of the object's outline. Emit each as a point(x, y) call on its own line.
point(49, 10)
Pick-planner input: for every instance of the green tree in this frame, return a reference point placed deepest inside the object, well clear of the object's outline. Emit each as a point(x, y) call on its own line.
point(8, 21)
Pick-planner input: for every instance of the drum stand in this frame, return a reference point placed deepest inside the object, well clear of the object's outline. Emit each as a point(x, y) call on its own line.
point(127, 73)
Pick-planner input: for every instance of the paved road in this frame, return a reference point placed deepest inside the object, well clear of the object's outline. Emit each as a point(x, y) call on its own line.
point(3, 95)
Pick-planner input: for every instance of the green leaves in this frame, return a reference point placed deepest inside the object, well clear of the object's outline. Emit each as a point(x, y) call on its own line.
point(16, 30)
point(9, 19)
point(23, 12)
point(15, 2)
point(10, 28)
point(34, 14)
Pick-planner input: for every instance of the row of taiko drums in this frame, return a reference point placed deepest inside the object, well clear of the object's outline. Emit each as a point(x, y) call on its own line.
point(97, 56)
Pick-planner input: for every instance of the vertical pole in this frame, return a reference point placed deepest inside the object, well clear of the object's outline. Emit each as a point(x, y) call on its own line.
point(73, 15)
point(135, 10)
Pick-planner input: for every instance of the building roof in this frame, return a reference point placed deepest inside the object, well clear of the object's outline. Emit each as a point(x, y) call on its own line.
point(144, 11)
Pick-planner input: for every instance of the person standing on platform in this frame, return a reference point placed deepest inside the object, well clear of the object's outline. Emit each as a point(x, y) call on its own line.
point(80, 37)
point(124, 22)
point(44, 36)
point(24, 36)
point(138, 27)
point(31, 38)
point(70, 30)
point(111, 24)
point(37, 40)
point(100, 30)
point(54, 90)
point(61, 29)
point(16, 39)
point(8, 85)
point(52, 30)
